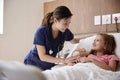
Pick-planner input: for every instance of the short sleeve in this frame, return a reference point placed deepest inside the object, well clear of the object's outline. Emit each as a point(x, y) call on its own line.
point(113, 57)
point(68, 35)
point(93, 57)
point(39, 37)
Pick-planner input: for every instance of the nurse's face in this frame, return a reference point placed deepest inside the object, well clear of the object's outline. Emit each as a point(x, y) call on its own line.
point(63, 24)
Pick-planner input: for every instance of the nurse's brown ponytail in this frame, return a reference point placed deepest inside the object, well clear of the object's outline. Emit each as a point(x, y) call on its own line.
point(48, 19)
point(59, 13)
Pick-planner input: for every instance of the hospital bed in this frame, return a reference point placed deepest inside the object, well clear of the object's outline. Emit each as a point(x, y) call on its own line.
point(14, 70)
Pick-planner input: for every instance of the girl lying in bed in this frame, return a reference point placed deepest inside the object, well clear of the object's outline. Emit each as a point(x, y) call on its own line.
point(102, 53)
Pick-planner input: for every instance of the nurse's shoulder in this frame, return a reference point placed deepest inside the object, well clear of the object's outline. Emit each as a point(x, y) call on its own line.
point(41, 30)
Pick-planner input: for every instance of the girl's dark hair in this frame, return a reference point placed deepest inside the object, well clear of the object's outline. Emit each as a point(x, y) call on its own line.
point(59, 13)
point(110, 44)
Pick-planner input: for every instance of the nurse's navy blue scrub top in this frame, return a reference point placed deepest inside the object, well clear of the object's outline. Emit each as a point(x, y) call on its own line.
point(43, 36)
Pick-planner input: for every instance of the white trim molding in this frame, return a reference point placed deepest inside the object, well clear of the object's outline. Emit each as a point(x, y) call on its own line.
point(1, 16)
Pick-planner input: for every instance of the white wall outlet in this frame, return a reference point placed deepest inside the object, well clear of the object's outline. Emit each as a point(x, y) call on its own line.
point(97, 20)
point(106, 19)
point(116, 15)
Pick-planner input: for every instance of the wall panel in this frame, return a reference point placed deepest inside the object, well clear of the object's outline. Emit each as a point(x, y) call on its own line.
point(84, 12)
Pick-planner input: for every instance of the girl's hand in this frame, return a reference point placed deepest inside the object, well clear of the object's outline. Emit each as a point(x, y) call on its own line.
point(72, 59)
point(83, 59)
point(70, 64)
point(78, 59)
point(82, 51)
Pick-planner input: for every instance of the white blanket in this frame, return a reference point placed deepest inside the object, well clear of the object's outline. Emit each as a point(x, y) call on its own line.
point(14, 70)
point(81, 71)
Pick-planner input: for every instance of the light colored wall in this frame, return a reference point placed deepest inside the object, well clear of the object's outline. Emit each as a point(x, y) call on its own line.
point(21, 19)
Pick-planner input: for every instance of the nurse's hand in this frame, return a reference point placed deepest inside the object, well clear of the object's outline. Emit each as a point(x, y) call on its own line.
point(72, 59)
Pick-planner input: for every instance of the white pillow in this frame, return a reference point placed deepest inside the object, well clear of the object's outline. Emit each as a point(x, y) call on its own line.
point(117, 38)
point(72, 49)
point(87, 44)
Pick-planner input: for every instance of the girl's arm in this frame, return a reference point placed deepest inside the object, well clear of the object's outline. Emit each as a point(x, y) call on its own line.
point(82, 52)
point(111, 66)
point(44, 57)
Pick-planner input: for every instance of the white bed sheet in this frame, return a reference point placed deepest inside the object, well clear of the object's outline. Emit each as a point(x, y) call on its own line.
point(81, 71)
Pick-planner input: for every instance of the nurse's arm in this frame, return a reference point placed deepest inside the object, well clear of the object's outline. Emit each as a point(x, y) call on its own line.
point(76, 40)
point(44, 57)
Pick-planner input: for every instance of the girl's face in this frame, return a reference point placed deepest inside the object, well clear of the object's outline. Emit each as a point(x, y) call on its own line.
point(62, 24)
point(98, 43)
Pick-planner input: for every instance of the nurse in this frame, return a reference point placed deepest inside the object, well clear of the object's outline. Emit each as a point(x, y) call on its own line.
point(49, 39)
